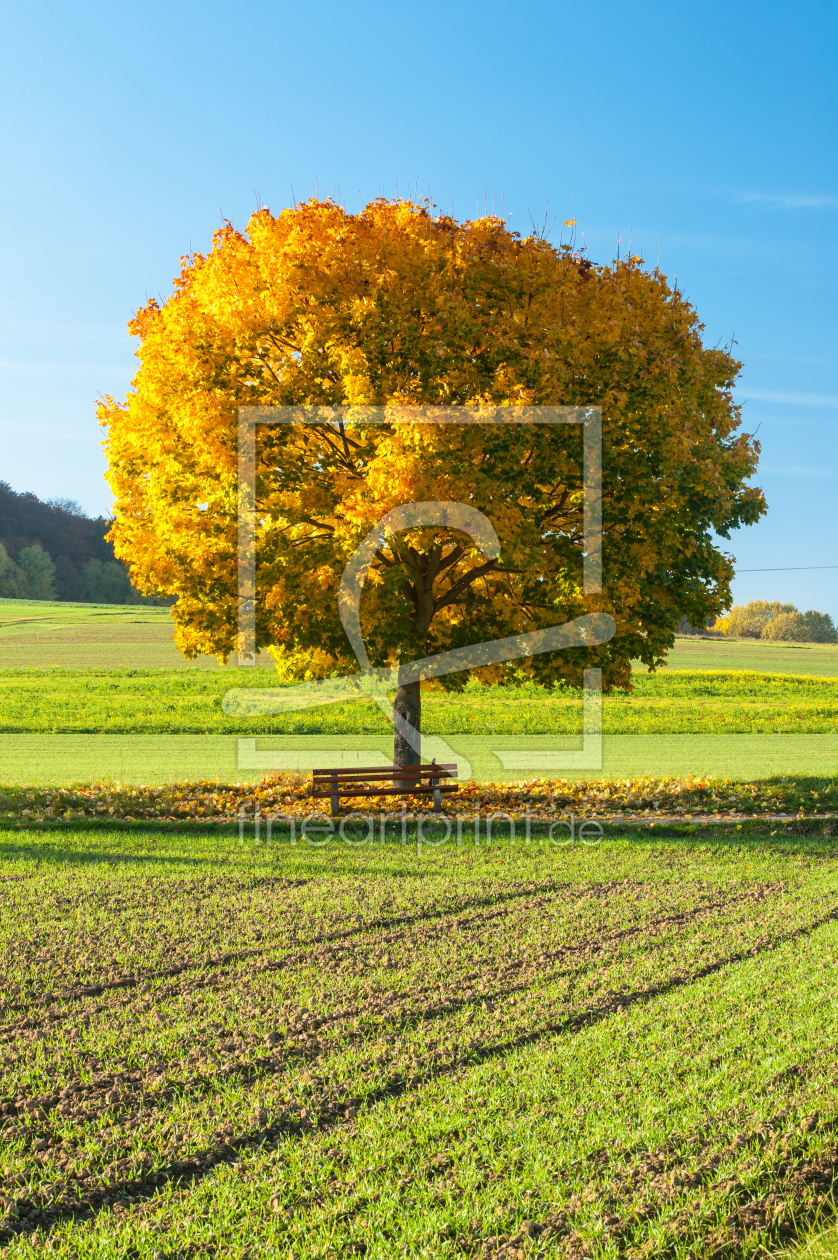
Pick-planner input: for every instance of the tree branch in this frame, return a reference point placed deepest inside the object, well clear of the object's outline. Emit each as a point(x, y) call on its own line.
point(309, 520)
point(451, 558)
point(463, 583)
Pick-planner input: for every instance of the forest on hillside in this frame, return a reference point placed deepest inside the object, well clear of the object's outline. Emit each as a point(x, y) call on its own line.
point(54, 550)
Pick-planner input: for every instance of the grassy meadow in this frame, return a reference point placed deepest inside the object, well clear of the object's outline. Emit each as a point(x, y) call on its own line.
point(216, 1049)
point(102, 669)
point(39, 634)
point(160, 759)
point(691, 653)
point(100, 692)
point(139, 701)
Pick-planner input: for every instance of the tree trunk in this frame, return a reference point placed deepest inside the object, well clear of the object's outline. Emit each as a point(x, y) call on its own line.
point(408, 706)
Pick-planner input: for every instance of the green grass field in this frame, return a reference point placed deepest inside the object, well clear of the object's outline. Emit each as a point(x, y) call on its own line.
point(58, 759)
point(190, 701)
point(106, 636)
point(100, 692)
point(40, 634)
point(751, 654)
point(819, 1244)
point(213, 1048)
point(207, 1049)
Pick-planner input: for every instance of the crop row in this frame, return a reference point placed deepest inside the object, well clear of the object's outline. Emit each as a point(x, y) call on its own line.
point(160, 1033)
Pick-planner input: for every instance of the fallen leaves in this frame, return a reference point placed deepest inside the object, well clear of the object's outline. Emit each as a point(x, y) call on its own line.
point(289, 796)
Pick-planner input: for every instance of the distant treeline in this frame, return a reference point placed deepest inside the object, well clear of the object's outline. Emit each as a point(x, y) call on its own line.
point(769, 619)
point(53, 550)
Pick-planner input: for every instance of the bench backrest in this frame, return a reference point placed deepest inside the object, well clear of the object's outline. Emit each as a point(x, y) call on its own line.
point(374, 774)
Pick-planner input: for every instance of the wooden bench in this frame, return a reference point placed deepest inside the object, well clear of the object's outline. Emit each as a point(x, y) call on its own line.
point(401, 780)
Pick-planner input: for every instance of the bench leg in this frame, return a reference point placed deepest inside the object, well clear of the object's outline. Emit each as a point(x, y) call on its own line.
point(437, 801)
point(335, 801)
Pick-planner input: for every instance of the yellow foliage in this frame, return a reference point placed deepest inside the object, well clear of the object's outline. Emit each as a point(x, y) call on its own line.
point(798, 627)
point(397, 306)
point(748, 621)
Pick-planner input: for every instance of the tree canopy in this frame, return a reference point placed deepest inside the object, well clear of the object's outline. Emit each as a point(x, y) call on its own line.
point(398, 306)
point(764, 619)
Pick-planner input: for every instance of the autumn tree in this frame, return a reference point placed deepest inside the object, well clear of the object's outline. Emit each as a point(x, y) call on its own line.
point(748, 621)
point(399, 307)
point(764, 619)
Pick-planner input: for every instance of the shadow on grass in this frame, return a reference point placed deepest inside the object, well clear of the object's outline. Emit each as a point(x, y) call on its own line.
point(150, 846)
point(183, 1173)
point(155, 845)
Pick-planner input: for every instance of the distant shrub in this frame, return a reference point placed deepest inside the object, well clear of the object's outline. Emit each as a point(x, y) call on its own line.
point(12, 581)
point(685, 627)
point(822, 627)
point(106, 583)
point(748, 621)
point(789, 627)
point(69, 580)
point(38, 572)
point(798, 627)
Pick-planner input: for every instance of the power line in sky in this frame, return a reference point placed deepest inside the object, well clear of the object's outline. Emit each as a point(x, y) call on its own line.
point(792, 568)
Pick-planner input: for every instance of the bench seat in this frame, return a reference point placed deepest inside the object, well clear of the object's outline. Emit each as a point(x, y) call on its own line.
point(430, 779)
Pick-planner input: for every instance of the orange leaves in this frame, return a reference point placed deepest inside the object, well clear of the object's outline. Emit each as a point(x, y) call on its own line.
point(691, 798)
point(395, 306)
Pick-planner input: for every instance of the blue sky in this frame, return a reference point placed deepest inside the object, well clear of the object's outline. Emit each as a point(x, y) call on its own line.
point(706, 131)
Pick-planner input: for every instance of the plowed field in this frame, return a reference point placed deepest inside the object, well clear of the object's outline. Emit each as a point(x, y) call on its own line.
point(214, 1049)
